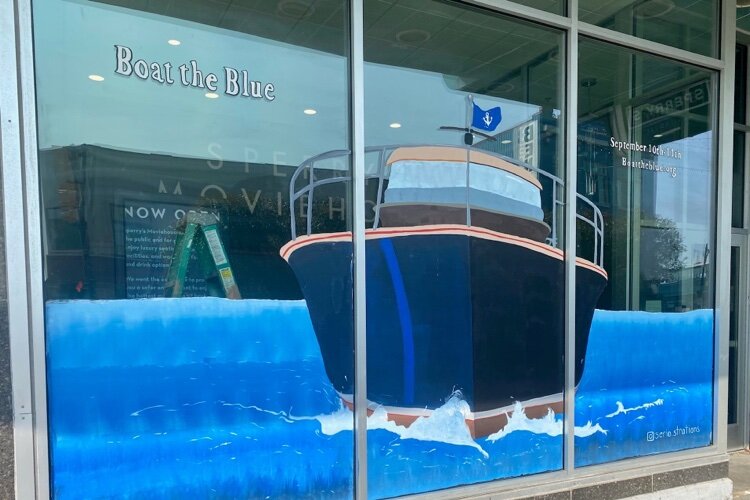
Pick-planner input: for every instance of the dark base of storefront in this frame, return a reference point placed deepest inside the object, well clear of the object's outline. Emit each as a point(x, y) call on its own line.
point(705, 477)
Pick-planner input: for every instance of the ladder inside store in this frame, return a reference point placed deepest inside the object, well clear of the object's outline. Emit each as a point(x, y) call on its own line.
point(199, 231)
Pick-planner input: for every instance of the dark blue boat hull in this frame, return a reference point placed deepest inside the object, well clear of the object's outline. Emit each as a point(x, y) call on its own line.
point(447, 312)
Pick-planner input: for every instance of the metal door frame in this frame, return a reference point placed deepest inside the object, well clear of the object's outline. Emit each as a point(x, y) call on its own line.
point(737, 433)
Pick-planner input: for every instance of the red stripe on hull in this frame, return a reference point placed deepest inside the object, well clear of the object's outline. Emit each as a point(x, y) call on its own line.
point(535, 246)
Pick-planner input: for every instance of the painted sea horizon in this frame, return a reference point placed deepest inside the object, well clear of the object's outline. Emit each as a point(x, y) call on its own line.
point(212, 398)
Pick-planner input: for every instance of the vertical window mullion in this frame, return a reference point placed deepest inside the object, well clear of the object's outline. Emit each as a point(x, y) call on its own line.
point(571, 103)
point(358, 232)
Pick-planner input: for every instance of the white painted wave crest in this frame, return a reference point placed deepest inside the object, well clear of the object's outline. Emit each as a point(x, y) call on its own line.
point(548, 424)
point(645, 406)
point(447, 424)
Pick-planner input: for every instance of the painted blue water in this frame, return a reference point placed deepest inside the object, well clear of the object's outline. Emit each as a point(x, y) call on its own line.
point(211, 398)
point(659, 368)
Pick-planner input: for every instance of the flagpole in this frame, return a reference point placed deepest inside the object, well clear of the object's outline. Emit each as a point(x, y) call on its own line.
point(468, 140)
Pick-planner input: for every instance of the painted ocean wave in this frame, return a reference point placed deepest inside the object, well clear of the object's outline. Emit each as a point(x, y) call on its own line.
point(222, 399)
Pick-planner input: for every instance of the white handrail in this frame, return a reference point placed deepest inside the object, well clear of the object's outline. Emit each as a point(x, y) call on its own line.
point(384, 152)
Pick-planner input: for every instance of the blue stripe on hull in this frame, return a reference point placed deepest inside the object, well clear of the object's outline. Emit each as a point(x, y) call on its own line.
point(446, 312)
point(404, 316)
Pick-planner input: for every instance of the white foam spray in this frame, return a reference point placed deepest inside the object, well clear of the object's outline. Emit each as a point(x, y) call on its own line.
point(622, 410)
point(447, 424)
point(548, 424)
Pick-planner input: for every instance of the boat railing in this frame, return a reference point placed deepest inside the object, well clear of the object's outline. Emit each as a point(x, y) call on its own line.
point(307, 171)
point(597, 225)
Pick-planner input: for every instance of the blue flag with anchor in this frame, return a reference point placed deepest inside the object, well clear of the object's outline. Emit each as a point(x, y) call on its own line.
point(486, 119)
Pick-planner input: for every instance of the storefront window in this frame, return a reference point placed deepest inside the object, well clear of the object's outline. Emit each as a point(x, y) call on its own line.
point(646, 159)
point(465, 272)
point(691, 26)
point(197, 220)
point(183, 360)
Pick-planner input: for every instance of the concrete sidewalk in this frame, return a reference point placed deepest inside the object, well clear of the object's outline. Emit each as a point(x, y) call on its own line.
point(739, 473)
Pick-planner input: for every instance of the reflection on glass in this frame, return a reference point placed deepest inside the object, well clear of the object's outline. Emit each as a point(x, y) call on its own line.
point(686, 25)
point(738, 180)
point(734, 311)
point(646, 160)
point(743, 18)
point(465, 273)
point(161, 121)
point(740, 84)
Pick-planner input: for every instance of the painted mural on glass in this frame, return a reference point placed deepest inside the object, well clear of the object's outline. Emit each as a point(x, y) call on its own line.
point(199, 314)
point(646, 161)
point(232, 395)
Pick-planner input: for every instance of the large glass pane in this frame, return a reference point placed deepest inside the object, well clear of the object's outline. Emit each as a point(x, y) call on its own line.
point(690, 25)
point(186, 349)
point(646, 160)
point(465, 274)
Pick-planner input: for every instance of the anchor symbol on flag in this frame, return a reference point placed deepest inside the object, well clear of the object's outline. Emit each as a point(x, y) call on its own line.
point(486, 119)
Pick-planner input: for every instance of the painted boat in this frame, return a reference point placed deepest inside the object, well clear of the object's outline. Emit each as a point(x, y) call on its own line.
point(464, 288)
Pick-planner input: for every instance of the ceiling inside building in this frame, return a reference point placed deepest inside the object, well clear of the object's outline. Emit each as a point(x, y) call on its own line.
point(477, 51)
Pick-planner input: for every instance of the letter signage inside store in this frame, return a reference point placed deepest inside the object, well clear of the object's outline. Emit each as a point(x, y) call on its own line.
point(230, 81)
point(656, 151)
